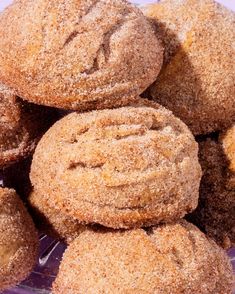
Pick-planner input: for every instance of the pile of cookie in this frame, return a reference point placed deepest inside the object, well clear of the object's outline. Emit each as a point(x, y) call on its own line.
point(144, 149)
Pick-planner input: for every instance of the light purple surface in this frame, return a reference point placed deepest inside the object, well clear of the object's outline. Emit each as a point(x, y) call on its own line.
point(45, 271)
point(228, 3)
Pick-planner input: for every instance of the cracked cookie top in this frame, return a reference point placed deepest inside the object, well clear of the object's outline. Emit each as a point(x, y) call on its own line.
point(120, 168)
point(21, 125)
point(77, 54)
point(18, 240)
point(175, 258)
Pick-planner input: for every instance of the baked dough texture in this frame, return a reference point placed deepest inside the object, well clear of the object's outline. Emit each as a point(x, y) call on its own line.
point(174, 258)
point(197, 79)
point(18, 240)
point(120, 168)
point(81, 55)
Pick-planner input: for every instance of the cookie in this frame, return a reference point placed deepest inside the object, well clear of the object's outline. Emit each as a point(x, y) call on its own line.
point(216, 211)
point(121, 168)
point(18, 240)
point(21, 126)
point(197, 79)
point(174, 258)
point(78, 54)
point(52, 221)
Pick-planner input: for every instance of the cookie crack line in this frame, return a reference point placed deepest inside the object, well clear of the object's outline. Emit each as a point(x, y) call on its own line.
point(133, 208)
point(133, 133)
point(75, 33)
point(74, 165)
point(104, 47)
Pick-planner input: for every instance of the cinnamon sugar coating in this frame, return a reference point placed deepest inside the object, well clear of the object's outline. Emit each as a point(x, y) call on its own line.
point(197, 79)
point(216, 211)
point(52, 221)
point(21, 125)
point(174, 258)
point(121, 168)
point(85, 54)
point(18, 240)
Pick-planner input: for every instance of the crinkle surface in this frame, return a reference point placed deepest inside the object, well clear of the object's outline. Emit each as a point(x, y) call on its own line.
point(84, 54)
point(197, 79)
point(18, 240)
point(124, 167)
point(21, 125)
point(174, 258)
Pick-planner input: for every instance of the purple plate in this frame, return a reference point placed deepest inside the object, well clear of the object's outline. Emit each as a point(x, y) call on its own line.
point(41, 278)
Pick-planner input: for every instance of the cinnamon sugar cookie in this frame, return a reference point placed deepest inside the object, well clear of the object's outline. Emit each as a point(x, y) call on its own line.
point(216, 211)
point(73, 54)
point(175, 258)
point(18, 240)
point(21, 125)
point(197, 79)
point(121, 168)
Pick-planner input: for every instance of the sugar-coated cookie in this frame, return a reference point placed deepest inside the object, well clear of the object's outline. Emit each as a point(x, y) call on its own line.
point(197, 79)
point(216, 211)
point(73, 54)
point(121, 168)
point(18, 240)
point(175, 258)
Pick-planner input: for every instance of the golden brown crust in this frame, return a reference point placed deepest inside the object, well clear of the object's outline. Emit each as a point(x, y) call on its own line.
point(215, 213)
point(123, 167)
point(21, 125)
point(18, 240)
point(78, 54)
point(174, 258)
point(197, 79)
point(52, 221)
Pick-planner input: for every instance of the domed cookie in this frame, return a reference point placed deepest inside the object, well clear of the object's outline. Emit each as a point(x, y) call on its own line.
point(216, 211)
point(52, 221)
point(175, 258)
point(121, 168)
point(197, 79)
point(78, 54)
point(18, 240)
point(21, 125)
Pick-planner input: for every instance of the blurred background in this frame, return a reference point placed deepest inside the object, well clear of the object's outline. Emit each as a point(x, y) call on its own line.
point(228, 3)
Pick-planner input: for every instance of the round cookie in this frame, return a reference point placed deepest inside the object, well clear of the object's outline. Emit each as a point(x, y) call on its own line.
point(175, 258)
point(197, 79)
point(21, 125)
point(18, 240)
point(215, 213)
point(73, 54)
point(52, 221)
point(121, 168)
